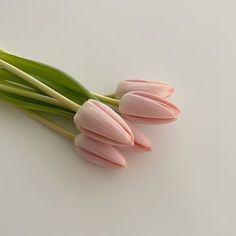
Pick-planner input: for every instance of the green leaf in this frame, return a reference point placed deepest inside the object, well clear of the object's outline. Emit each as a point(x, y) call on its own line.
point(51, 76)
point(32, 104)
point(77, 97)
point(12, 84)
point(6, 75)
point(72, 95)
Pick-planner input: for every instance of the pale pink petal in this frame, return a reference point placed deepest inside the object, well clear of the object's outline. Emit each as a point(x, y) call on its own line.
point(98, 152)
point(135, 104)
point(158, 88)
point(147, 108)
point(163, 101)
point(104, 124)
point(141, 141)
point(113, 115)
point(144, 120)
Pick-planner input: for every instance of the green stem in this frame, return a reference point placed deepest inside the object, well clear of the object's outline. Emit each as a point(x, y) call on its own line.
point(112, 95)
point(51, 125)
point(29, 94)
point(108, 100)
point(67, 102)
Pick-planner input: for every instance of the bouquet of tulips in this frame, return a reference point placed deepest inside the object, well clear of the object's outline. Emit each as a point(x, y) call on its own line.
point(104, 123)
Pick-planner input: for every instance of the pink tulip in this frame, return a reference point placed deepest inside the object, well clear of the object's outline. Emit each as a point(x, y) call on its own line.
point(141, 142)
point(157, 88)
point(99, 153)
point(147, 108)
point(100, 122)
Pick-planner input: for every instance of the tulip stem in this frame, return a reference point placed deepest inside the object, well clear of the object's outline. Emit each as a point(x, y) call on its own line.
point(11, 89)
point(43, 87)
point(108, 100)
point(110, 95)
point(51, 125)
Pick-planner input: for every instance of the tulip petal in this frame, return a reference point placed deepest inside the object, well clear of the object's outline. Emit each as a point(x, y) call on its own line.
point(114, 115)
point(145, 120)
point(101, 122)
point(138, 104)
point(164, 101)
point(147, 108)
point(157, 88)
point(141, 142)
point(103, 138)
point(98, 152)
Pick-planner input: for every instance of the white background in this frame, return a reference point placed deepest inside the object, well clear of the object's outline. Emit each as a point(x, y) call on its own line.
point(186, 186)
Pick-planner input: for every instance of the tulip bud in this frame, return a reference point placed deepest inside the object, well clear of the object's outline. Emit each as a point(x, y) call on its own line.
point(141, 142)
point(147, 108)
point(157, 88)
point(99, 153)
point(100, 122)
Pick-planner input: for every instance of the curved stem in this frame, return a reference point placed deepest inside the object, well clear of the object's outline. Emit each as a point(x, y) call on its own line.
point(112, 95)
point(111, 101)
point(51, 92)
point(51, 125)
point(29, 94)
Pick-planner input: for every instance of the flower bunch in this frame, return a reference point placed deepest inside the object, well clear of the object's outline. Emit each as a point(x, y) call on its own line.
point(104, 123)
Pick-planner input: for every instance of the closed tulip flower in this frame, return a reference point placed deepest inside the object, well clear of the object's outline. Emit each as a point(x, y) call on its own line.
point(100, 122)
point(99, 153)
point(161, 89)
point(147, 108)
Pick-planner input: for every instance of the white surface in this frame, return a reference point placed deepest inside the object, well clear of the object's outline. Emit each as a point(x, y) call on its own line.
point(186, 186)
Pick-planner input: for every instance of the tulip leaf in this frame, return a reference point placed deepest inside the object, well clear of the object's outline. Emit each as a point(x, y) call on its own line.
point(6, 75)
point(77, 97)
point(72, 95)
point(32, 104)
point(49, 75)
